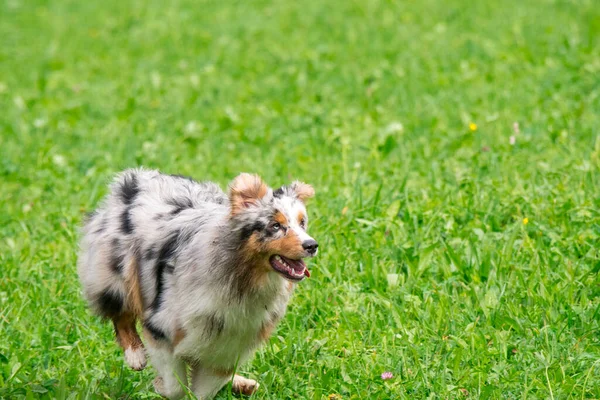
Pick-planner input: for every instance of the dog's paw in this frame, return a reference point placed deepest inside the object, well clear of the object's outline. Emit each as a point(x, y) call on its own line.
point(159, 386)
point(135, 358)
point(169, 393)
point(244, 386)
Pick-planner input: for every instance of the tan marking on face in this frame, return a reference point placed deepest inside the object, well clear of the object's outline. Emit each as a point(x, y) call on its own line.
point(289, 246)
point(251, 248)
point(179, 336)
point(301, 217)
point(279, 217)
point(254, 266)
point(246, 190)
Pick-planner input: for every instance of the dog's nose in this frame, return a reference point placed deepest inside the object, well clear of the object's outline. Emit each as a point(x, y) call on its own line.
point(310, 246)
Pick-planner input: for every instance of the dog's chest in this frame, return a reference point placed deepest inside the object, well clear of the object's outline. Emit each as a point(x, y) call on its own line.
point(228, 336)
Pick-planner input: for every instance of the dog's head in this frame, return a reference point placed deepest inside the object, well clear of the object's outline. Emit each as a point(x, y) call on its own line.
point(272, 225)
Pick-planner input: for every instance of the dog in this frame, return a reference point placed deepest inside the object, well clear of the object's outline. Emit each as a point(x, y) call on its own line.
point(208, 274)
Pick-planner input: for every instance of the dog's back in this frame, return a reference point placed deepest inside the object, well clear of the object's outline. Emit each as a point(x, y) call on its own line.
point(131, 236)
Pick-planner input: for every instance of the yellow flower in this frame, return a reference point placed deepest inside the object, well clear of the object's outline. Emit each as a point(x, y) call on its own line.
point(473, 126)
point(525, 221)
point(334, 397)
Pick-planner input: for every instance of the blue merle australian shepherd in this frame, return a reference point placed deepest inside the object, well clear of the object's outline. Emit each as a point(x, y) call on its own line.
point(208, 274)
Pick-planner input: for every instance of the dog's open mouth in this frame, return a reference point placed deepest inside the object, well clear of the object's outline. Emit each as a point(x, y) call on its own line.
point(294, 270)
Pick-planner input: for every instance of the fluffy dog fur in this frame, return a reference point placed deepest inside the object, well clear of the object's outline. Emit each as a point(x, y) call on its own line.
point(208, 274)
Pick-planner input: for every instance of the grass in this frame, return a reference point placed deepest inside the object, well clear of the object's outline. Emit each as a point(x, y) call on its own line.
point(464, 264)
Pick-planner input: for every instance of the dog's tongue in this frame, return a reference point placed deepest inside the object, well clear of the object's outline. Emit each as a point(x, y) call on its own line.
point(298, 265)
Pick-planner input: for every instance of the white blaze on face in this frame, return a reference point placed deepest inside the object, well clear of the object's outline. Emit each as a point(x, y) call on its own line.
point(292, 208)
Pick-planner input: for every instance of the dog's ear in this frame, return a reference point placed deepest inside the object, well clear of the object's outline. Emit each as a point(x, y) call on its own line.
point(302, 190)
point(245, 191)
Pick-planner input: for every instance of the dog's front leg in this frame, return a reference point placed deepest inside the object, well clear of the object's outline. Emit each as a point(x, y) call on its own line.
point(243, 385)
point(207, 382)
point(172, 377)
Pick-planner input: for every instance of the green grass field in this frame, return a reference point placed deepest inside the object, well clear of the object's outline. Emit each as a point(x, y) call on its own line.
point(460, 259)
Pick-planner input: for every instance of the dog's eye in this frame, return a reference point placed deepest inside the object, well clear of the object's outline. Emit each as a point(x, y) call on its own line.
point(276, 226)
point(303, 223)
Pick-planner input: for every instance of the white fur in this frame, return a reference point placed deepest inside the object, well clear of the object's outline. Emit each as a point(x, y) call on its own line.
point(135, 358)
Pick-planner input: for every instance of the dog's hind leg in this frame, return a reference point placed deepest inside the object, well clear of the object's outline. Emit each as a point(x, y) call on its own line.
point(130, 341)
point(125, 329)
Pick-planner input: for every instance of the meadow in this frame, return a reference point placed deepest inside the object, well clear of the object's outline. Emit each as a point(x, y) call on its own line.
point(455, 152)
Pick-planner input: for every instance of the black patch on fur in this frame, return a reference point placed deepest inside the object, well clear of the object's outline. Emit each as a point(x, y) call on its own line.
point(247, 230)
point(169, 268)
point(116, 259)
point(89, 216)
point(164, 264)
point(110, 303)
point(129, 188)
point(241, 282)
point(274, 315)
point(270, 233)
point(180, 204)
point(214, 325)
point(278, 192)
point(165, 254)
point(177, 210)
point(157, 334)
point(102, 226)
point(199, 221)
point(149, 254)
point(126, 223)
